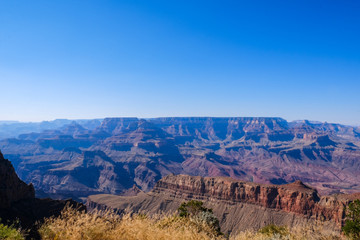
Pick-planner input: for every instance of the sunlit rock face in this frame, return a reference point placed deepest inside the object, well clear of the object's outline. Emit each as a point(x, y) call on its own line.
point(239, 205)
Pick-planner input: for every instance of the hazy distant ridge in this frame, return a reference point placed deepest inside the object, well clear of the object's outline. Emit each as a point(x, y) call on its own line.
point(111, 156)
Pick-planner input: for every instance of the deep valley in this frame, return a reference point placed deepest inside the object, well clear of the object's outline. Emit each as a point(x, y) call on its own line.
point(111, 156)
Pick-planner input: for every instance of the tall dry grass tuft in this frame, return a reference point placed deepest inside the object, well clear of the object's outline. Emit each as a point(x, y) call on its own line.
point(106, 225)
point(283, 233)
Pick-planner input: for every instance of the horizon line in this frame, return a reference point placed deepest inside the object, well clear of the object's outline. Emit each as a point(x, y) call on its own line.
point(102, 118)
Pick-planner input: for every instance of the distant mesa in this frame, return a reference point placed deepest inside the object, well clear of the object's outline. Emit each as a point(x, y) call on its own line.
point(237, 204)
point(109, 156)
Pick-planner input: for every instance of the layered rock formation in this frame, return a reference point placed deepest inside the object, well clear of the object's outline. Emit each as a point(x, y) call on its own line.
point(238, 205)
point(295, 197)
point(76, 161)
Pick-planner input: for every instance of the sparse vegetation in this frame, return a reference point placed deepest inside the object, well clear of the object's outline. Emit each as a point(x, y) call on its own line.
point(195, 212)
point(10, 233)
point(192, 208)
point(273, 232)
point(75, 225)
point(352, 222)
point(106, 225)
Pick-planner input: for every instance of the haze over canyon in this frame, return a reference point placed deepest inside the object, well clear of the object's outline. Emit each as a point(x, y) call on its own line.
point(76, 159)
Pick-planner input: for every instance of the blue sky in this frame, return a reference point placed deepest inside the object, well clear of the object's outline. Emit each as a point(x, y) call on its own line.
point(89, 59)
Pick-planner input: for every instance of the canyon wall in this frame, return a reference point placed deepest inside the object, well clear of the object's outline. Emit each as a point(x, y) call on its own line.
point(76, 160)
point(18, 202)
point(12, 189)
point(238, 205)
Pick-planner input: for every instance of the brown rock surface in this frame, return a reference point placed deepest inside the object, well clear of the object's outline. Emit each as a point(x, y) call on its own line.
point(239, 205)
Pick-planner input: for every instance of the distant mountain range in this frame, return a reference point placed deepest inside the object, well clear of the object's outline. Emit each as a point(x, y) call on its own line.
point(11, 129)
point(80, 158)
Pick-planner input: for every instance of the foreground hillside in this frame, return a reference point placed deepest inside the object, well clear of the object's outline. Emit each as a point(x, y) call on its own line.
point(77, 161)
point(238, 205)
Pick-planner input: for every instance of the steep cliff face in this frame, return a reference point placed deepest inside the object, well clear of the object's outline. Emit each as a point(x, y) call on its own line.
point(18, 202)
point(238, 205)
point(12, 189)
point(295, 197)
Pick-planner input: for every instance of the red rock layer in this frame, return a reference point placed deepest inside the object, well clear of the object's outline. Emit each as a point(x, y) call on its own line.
point(295, 197)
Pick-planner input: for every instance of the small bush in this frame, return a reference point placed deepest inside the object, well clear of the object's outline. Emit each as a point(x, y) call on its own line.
point(352, 223)
point(192, 208)
point(271, 230)
point(195, 212)
point(10, 233)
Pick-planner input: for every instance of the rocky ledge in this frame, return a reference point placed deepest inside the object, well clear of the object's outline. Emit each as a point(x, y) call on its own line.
point(239, 205)
point(295, 197)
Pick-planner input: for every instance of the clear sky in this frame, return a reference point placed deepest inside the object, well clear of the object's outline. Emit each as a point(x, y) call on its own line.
point(91, 59)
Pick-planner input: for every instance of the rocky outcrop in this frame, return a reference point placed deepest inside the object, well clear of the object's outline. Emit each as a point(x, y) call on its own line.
point(132, 191)
point(12, 189)
point(295, 197)
point(18, 202)
point(238, 205)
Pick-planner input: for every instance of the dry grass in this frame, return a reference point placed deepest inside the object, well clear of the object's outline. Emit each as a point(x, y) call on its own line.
point(74, 225)
point(303, 233)
point(100, 225)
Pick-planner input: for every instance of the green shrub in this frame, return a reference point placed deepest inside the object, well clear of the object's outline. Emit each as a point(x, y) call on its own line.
point(192, 208)
point(10, 233)
point(198, 214)
point(273, 230)
point(352, 223)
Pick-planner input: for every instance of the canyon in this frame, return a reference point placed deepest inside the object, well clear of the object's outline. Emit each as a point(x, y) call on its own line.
point(110, 156)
